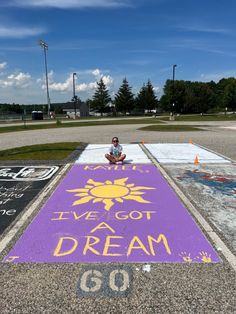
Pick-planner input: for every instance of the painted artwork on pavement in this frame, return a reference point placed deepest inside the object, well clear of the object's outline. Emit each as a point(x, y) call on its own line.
point(183, 153)
point(219, 183)
point(213, 189)
point(28, 173)
point(113, 213)
point(18, 186)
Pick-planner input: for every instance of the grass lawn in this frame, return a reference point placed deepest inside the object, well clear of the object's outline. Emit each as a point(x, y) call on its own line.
point(55, 151)
point(60, 124)
point(170, 128)
point(202, 118)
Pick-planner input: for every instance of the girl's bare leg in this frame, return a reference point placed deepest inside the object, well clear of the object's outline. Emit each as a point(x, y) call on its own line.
point(110, 158)
point(121, 157)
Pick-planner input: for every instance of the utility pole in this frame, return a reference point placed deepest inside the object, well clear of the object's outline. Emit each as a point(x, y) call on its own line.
point(45, 48)
point(74, 98)
point(174, 66)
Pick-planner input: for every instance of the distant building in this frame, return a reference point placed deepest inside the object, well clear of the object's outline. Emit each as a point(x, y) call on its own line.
point(82, 109)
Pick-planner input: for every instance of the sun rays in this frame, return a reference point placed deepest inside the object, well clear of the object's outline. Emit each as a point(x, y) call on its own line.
point(107, 192)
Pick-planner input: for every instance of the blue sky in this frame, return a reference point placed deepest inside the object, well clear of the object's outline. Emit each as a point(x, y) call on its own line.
point(112, 39)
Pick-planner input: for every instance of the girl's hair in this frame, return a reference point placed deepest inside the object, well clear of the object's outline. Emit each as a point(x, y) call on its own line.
point(115, 138)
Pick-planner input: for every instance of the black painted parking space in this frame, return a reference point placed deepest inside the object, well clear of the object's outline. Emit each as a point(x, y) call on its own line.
point(18, 186)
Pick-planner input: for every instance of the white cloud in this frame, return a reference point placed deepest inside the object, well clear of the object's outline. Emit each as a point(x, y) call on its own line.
point(18, 79)
point(50, 76)
point(204, 29)
point(69, 4)
point(157, 89)
point(13, 86)
point(86, 87)
point(20, 31)
point(96, 73)
point(39, 81)
point(3, 65)
point(107, 80)
point(60, 87)
point(67, 85)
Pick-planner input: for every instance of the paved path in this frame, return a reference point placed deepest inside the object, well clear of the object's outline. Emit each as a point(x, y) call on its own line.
point(20, 122)
point(221, 140)
point(158, 288)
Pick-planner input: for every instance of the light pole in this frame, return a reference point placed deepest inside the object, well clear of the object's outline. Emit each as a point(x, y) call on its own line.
point(174, 66)
point(45, 47)
point(74, 98)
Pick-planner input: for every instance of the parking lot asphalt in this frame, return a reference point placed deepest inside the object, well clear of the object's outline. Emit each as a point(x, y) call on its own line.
point(213, 137)
point(153, 287)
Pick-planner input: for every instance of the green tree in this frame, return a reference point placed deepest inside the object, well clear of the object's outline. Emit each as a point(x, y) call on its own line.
point(179, 96)
point(190, 97)
point(140, 100)
point(124, 99)
point(146, 98)
point(151, 99)
point(167, 97)
point(204, 98)
point(101, 97)
point(227, 89)
point(189, 100)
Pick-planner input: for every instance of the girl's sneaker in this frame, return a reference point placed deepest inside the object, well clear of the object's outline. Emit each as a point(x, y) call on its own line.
point(119, 162)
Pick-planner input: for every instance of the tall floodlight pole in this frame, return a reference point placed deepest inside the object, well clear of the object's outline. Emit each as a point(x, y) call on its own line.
point(174, 66)
point(45, 47)
point(74, 98)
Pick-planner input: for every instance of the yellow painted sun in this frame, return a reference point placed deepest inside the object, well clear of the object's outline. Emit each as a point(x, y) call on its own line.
point(106, 192)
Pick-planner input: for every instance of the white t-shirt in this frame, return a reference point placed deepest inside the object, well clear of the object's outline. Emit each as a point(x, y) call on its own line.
point(115, 150)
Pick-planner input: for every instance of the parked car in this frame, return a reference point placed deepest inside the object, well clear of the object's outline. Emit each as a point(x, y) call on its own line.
point(71, 114)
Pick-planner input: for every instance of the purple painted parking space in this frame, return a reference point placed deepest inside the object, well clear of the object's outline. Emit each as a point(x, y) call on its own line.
point(110, 213)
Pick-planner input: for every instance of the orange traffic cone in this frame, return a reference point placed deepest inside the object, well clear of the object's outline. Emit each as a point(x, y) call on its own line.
point(196, 161)
point(142, 142)
point(190, 141)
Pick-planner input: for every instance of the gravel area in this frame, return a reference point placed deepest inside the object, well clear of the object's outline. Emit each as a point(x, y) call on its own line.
point(167, 288)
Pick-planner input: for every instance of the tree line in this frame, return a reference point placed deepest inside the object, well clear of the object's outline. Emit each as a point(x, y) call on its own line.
point(18, 109)
point(124, 101)
point(179, 96)
point(199, 97)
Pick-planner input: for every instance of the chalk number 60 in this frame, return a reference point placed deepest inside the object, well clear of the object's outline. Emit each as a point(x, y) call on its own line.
point(92, 280)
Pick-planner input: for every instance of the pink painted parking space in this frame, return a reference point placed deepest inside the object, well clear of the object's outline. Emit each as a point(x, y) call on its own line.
point(113, 213)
